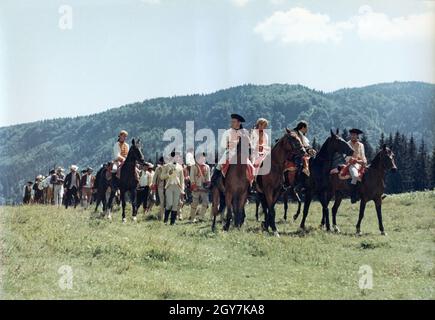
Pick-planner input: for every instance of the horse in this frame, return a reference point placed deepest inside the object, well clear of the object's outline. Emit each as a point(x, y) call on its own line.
point(128, 180)
point(235, 187)
point(102, 182)
point(371, 187)
point(269, 185)
point(318, 181)
point(289, 192)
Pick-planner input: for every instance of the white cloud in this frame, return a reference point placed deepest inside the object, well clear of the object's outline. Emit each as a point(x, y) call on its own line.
point(240, 3)
point(152, 2)
point(299, 25)
point(378, 26)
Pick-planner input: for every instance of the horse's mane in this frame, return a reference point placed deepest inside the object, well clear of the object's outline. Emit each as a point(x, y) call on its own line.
point(376, 160)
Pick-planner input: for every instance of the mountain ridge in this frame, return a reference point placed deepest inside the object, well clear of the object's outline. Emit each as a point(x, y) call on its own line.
point(35, 147)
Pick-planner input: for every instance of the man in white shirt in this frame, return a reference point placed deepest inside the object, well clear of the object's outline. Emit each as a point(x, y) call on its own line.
point(356, 162)
point(120, 151)
point(229, 141)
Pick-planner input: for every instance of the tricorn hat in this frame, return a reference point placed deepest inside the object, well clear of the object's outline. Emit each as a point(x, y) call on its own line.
point(238, 117)
point(74, 167)
point(357, 131)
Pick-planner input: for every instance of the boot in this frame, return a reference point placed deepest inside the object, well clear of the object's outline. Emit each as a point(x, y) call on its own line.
point(214, 178)
point(167, 212)
point(173, 217)
point(353, 193)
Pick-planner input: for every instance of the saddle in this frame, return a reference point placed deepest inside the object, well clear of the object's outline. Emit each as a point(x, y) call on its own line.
point(342, 171)
point(249, 170)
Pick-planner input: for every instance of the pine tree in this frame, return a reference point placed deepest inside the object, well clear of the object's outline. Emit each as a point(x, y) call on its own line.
point(368, 148)
point(408, 171)
point(421, 173)
point(381, 141)
point(345, 135)
point(432, 169)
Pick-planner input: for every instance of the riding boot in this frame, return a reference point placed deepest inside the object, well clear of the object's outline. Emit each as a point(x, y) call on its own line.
point(167, 212)
point(173, 217)
point(353, 193)
point(214, 178)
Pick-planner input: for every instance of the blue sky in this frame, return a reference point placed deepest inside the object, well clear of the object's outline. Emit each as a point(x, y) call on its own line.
point(76, 57)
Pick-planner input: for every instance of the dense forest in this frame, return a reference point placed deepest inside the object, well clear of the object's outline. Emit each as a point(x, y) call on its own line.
point(405, 107)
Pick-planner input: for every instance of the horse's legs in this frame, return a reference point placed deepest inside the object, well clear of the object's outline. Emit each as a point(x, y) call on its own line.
point(337, 202)
point(362, 207)
point(308, 197)
point(298, 199)
point(214, 207)
point(325, 210)
point(285, 200)
point(123, 204)
point(257, 205)
point(272, 219)
point(378, 204)
point(133, 199)
point(229, 205)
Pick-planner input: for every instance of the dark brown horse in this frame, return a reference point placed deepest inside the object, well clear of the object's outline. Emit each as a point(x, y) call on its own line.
point(318, 181)
point(269, 186)
point(128, 180)
point(286, 194)
point(235, 186)
point(371, 187)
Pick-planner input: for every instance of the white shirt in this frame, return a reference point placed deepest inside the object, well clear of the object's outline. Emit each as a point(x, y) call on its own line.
point(304, 139)
point(117, 150)
point(231, 137)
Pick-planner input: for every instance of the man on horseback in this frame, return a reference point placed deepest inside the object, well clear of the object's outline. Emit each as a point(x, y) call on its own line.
point(259, 143)
point(120, 151)
point(298, 163)
point(229, 142)
point(357, 162)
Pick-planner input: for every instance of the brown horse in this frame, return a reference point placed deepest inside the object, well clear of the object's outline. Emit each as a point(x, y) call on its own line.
point(269, 186)
point(235, 186)
point(318, 181)
point(371, 187)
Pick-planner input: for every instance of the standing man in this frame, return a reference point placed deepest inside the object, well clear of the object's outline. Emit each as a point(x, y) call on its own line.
point(158, 186)
point(200, 180)
point(28, 193)
point(174, 186)
point(145, 182)
point(87, 183)
point(72, 184)
point(38, 190)
point(357, 162)
point(229, 142)
point(58, 180)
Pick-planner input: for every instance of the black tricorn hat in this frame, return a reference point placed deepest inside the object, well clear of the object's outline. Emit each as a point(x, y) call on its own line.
point(238, 117)
point(357, 131)
point(29, 182)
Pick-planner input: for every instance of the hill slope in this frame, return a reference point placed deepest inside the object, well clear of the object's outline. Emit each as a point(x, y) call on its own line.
point(35, 147)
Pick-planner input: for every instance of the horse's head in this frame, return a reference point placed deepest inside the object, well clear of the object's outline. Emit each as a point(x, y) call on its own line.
point(136, 152)
point(337, 144)
point(386, 158)
point(292, 143)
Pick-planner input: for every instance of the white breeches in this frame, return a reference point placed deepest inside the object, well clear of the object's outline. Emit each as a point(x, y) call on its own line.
point(354, 173)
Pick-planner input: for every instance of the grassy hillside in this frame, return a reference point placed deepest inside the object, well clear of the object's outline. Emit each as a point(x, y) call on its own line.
point(151, 260)
point(29, 149)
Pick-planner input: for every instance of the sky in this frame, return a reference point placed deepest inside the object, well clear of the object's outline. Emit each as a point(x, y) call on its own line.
point(78, 57)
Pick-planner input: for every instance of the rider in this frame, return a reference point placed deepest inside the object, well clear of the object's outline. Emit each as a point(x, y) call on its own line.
point(259, 143)
point(356, 162)
point(120, 151)
point(302, 130)
point(229, 142)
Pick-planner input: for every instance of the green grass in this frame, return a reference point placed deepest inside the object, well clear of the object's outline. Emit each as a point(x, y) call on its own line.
point(149, 260)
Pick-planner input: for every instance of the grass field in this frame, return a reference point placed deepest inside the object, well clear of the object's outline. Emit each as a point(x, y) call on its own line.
point(148, 260)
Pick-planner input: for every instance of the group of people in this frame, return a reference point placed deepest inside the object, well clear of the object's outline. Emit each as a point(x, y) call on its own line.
point(59, 189)
point(172, 182)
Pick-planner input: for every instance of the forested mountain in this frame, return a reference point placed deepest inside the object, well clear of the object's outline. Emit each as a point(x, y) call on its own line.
point(32, 148)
